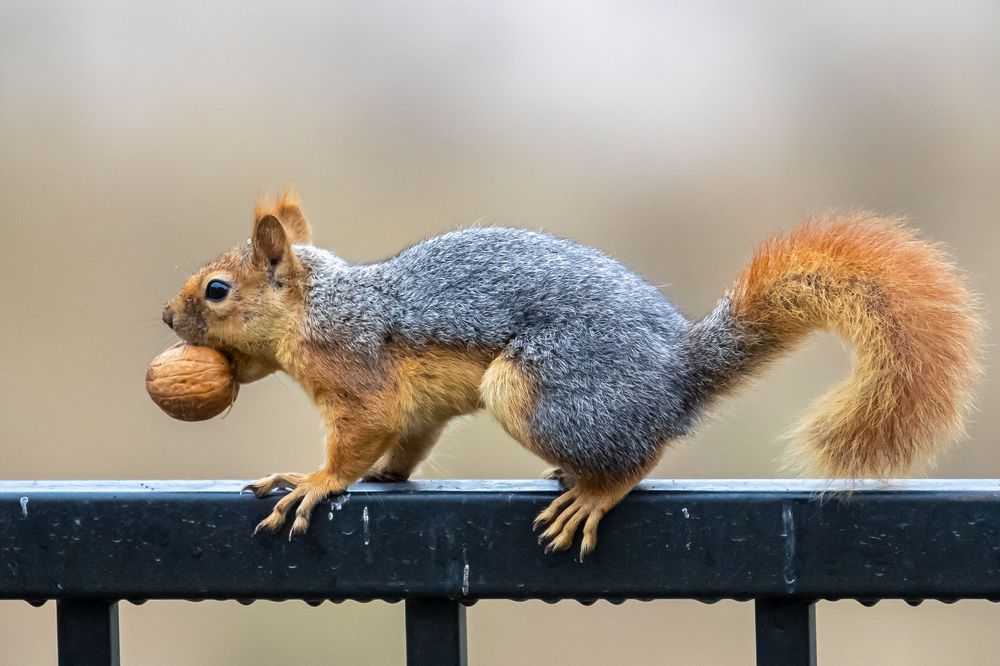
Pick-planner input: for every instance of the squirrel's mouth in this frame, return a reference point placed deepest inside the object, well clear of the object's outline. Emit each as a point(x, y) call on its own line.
point(188, 327)
point(194, 337)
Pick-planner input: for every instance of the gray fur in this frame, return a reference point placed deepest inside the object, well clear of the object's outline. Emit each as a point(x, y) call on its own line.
point(618, 370)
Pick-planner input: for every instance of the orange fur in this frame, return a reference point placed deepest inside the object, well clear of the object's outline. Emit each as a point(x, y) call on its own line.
point(224, 325)
point(509, 395)
point(430, 386)
point(437, 383)
point(404, 390)
point(910, 320)
point(392, 408)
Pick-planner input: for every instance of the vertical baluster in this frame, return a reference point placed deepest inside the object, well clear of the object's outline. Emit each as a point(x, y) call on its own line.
point(786, 632)
point(435, 633)
point(87, 632)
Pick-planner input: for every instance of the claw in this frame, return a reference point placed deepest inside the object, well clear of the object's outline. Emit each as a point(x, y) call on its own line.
point(565, 515)
point(270, 524)
point(256, 489)
point(299, 527)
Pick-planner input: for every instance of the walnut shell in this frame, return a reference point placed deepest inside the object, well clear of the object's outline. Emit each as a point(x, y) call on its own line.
point(191, 383)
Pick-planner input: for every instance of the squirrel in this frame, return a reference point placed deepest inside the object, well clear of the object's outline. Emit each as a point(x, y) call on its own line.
point(580, 360)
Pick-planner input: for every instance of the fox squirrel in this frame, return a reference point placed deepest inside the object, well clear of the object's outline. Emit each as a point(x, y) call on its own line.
point(580, 360)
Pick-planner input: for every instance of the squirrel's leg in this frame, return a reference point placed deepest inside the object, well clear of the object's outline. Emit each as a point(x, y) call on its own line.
point(400, 460)
point(351, 449)
point(512, 395)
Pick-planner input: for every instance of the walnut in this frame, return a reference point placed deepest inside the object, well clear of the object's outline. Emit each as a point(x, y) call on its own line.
point(191, 383)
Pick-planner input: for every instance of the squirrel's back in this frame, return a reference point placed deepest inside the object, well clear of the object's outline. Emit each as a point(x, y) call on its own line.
point(484, 286)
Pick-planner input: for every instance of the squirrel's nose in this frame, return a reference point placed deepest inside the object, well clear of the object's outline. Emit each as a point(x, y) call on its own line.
point(168, 317)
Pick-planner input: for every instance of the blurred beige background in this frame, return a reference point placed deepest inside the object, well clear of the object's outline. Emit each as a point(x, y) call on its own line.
point(134, 138)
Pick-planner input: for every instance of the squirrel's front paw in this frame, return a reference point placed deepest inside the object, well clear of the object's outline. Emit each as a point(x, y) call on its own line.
point(263, 487)
point(308, 490)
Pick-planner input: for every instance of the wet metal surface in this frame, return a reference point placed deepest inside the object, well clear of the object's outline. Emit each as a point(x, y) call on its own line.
point(466, 540)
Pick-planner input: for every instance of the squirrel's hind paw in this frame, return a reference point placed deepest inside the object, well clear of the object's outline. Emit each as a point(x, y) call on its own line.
point(565, 515)
point(583, 504)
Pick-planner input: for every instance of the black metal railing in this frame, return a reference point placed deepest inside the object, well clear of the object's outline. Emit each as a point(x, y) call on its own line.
point(441, 545)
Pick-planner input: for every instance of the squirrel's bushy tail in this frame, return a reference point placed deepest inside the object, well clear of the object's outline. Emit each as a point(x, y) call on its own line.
point(911, 322)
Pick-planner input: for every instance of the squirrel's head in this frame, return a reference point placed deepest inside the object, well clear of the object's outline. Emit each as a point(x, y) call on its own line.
point(247, 298)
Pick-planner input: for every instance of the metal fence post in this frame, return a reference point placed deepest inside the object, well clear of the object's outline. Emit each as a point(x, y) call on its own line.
point(435, 633)
point(87, 632)
point(786, 632)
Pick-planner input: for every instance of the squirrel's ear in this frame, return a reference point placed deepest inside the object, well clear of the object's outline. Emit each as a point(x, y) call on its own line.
point(290, 213)
point(270, 242)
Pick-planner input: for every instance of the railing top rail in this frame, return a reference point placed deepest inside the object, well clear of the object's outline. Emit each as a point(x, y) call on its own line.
point(468, 540)
point(521, 485)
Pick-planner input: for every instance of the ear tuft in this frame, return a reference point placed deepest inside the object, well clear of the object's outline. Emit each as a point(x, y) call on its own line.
point(270, 243)
point(262, 207)
point(289, 211)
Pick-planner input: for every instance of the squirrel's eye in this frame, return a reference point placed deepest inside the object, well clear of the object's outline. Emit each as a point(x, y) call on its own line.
point(216, 290)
